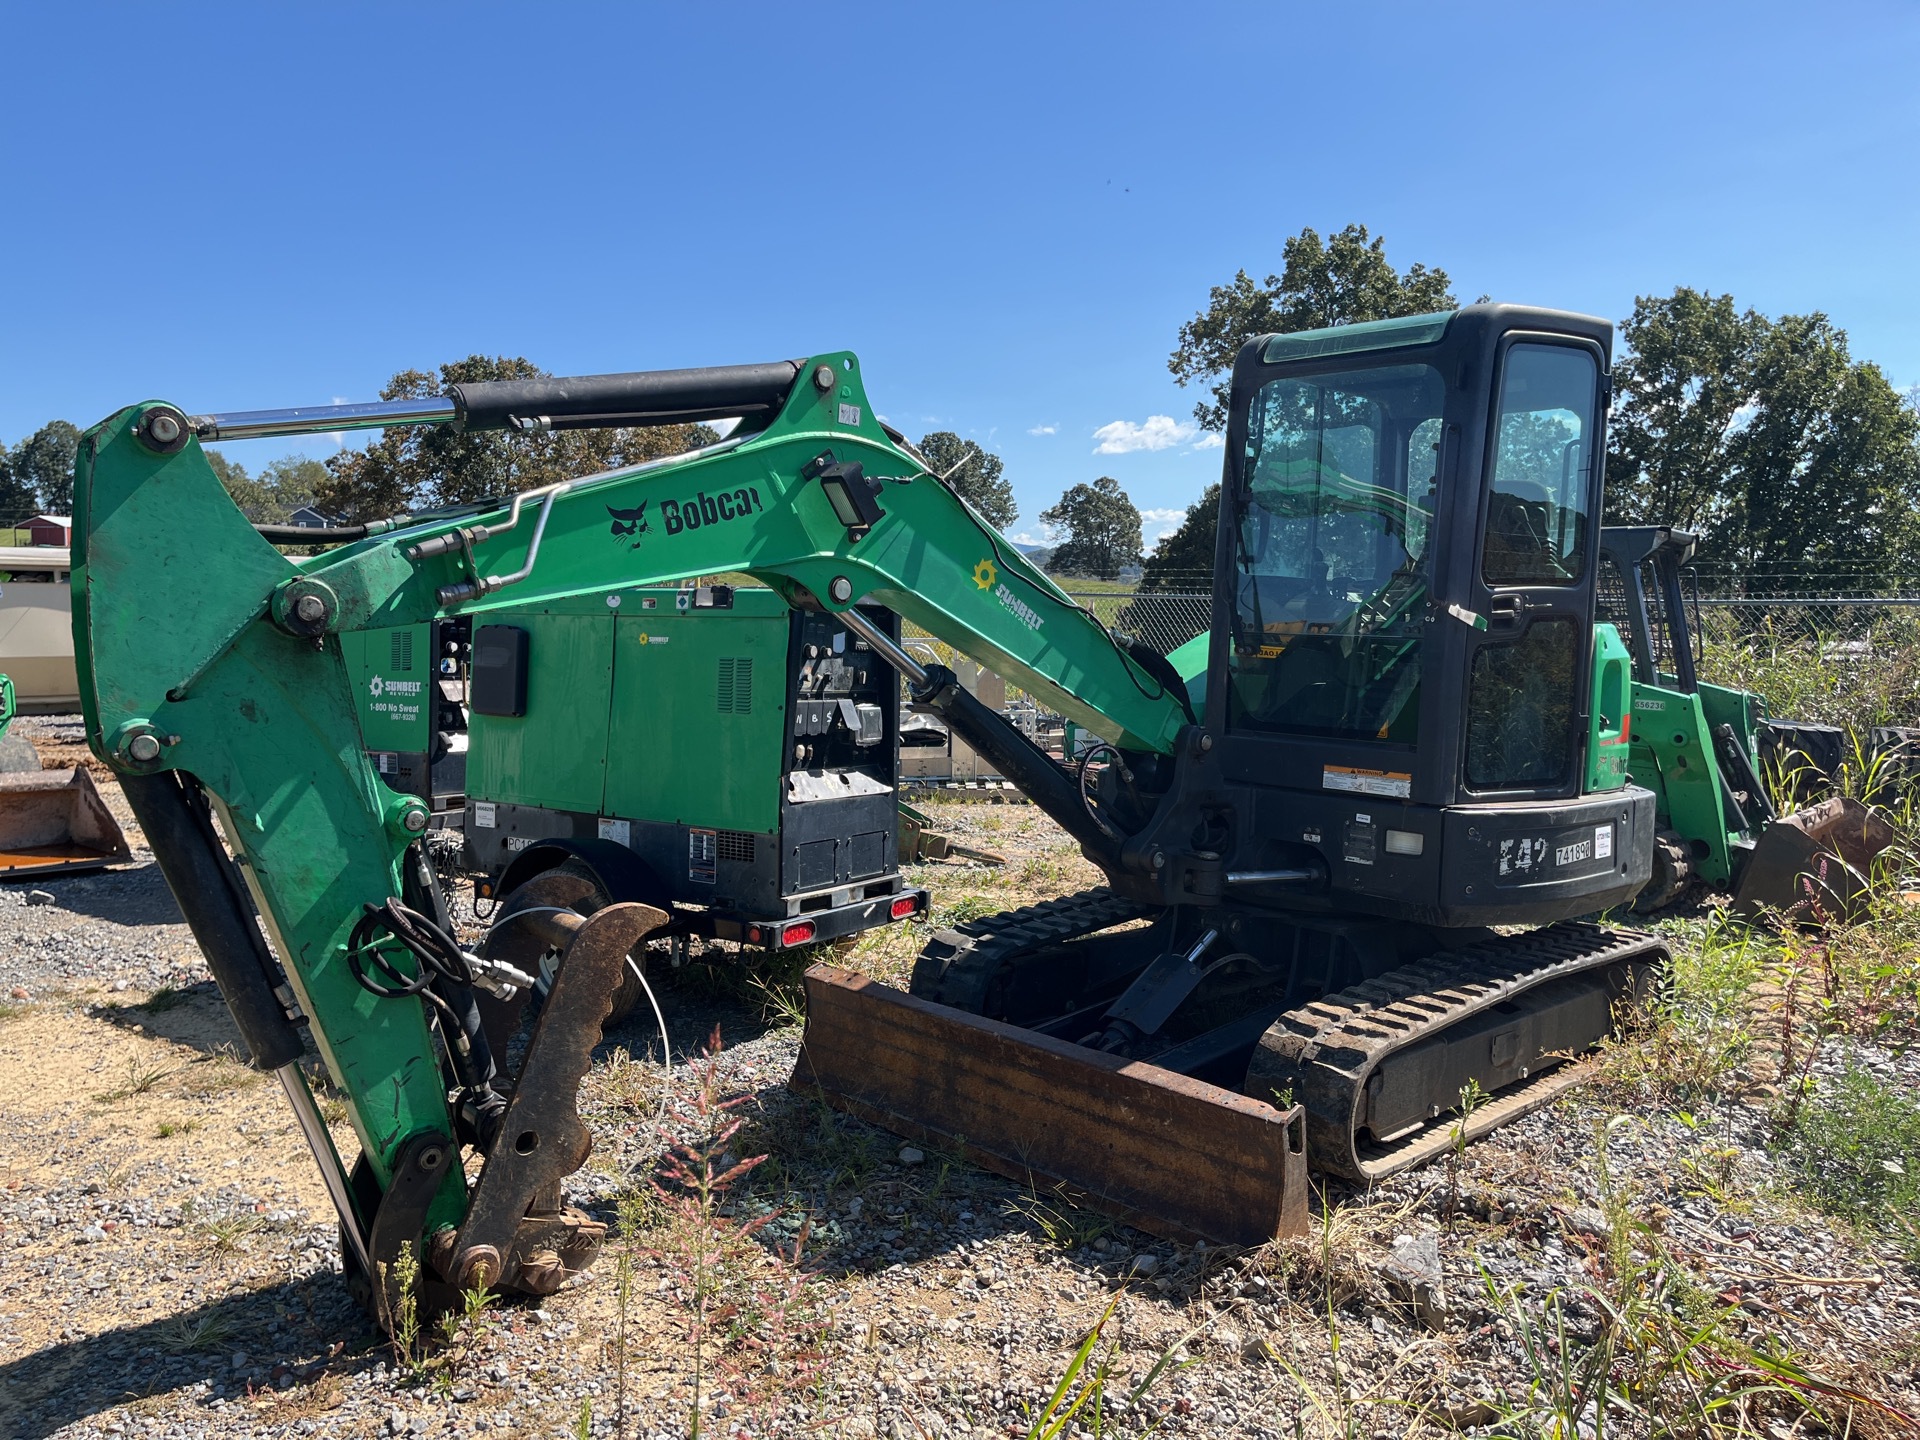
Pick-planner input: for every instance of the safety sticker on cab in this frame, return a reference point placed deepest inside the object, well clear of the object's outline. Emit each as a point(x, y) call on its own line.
point(1389, 784)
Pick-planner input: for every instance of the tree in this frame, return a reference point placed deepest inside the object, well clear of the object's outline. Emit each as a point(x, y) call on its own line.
point(1102, 530)
point(1184, 559)
point(1766, 437)
point(1677, 396)
point(414, 468)
point(17, 500)
point(1341, 282)
point(282, 487)
point(1828, 465)
point(43, 463)
point(978, 478)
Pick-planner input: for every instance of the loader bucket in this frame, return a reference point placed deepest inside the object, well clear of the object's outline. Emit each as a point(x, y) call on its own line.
point(1160, 1151)
point(54, 821)
point(1815, 864)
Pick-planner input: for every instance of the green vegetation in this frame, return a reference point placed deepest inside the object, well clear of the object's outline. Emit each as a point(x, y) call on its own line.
point(1857, 681)
point(1857, 1150)
point(1102, 531)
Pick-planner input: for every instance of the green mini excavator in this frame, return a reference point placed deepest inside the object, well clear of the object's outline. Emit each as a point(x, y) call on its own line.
point(1406, 737)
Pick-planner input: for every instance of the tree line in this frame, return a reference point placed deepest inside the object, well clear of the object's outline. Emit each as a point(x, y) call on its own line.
point(1763, 434)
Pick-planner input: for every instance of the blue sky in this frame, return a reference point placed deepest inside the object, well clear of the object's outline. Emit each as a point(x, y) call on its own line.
point(1008, 210)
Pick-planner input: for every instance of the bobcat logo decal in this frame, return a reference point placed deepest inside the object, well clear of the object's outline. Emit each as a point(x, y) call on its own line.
point(631, 522)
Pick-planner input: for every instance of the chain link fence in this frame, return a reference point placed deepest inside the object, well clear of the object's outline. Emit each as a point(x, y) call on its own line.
point(1852, 661)
point(1167, 619)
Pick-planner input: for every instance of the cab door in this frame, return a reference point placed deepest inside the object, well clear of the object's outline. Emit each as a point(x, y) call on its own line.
point(1530, 667)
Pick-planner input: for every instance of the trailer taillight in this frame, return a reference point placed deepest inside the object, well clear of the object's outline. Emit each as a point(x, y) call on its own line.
point(904, 907)
point(798, 933)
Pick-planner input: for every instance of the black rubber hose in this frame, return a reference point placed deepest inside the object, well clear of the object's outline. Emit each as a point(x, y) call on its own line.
point(641, 397)
point(218, 911)
point(1043, 780)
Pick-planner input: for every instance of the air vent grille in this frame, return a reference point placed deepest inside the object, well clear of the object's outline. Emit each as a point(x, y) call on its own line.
point(734, 691)
point(400, 650)
point(735, 844)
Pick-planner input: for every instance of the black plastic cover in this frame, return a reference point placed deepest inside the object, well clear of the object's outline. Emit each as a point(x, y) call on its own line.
point(639, 397)
point(499, 670)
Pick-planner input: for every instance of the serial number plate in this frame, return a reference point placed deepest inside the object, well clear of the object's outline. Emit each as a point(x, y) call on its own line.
point(1574, 853)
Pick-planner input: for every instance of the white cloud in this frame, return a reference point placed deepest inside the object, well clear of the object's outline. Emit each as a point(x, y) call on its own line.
point(1159, 521)
point(1027, 537)
point(1160, 432)
point(1212, 440)
point(1044, 430)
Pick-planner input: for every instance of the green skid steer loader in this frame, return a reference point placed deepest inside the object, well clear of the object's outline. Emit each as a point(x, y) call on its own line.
point(1698, 747)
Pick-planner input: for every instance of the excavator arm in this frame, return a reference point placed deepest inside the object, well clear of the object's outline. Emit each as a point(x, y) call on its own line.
point(213, 680)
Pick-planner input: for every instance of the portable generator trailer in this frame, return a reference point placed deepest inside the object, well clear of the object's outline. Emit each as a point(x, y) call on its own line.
point(1400, 747)
point(735, 758)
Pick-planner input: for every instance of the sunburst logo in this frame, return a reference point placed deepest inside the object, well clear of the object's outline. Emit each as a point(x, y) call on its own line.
point(984, 575)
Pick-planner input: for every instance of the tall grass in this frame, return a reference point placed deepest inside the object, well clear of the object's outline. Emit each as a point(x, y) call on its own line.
point(1857, 681)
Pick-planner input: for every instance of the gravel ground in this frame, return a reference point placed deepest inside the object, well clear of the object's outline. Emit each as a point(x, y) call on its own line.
point(169, 1268)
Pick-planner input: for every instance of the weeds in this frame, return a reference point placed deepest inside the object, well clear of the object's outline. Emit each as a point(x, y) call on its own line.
point(1472, 1097)
point(141, 1079)
point(1083, 1410)
point(167, 1129)
point(1642, 1349)
point(1857, 1149)
point(750, 1320)
point(967, 907)
point(1700, 1029)
point(164, 999)
point(187, 1333)
point(1064, 1224)
point(400, 1285)
point(227, 1231)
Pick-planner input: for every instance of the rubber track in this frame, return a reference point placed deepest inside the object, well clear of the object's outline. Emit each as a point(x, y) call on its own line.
point(958, 965)
point(1328, 1048)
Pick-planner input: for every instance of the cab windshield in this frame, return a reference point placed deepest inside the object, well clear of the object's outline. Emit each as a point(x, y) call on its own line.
point(1332, 553)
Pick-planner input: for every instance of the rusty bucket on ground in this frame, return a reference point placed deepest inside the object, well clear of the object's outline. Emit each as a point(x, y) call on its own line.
point(54, 822)
point(1815, 865)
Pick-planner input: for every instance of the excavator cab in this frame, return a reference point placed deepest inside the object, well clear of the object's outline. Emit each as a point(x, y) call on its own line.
point(1400, 680)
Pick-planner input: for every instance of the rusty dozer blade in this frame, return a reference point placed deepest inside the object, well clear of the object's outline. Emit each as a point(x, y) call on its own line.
point(1171, 1155)
point(53, 822)
point(1814, 865)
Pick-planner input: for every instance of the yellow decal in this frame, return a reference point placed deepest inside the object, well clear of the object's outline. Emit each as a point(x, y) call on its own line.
point(984, 574)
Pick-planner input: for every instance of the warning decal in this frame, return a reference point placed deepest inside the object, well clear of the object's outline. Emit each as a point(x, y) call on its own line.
point(1393, 784)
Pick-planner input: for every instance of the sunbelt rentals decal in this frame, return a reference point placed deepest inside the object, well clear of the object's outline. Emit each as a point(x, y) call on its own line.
point(986, 576)
point(399, 699)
